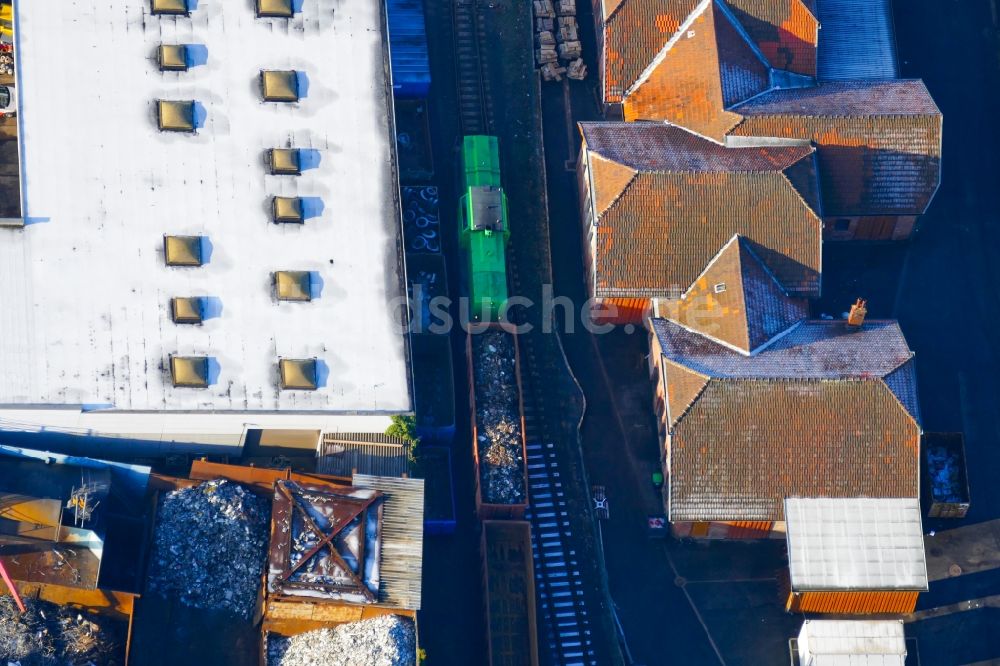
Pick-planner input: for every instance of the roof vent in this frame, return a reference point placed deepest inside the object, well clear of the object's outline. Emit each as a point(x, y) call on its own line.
point(172, 57)
point(293, 285)
point(287, 209)
point(186, 310)
point(284, 161)
point(182, 250)
point(189, 371)
point(719, 288)
point(275, 9)
point(298, 374)
point(279, 86)
point(175, 116)
point(170, 7)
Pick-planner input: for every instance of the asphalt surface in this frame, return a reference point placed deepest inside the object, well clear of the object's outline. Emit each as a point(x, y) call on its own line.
point(717, 603)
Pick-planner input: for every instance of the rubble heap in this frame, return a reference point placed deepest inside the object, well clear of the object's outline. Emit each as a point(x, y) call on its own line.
point(388, 640)
point(51, 635)
point(498, 419)
point(210, 546)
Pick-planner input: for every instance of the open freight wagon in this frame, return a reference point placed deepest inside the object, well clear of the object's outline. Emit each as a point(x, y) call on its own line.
point(497, 418)
point(509, 593)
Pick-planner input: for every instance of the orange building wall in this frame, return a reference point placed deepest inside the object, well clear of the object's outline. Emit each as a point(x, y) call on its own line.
point(853, 603)
point(620, 311)
point(741, 529)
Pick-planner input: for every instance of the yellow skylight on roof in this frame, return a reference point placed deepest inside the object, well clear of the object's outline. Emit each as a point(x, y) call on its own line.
point(169, 6)
point(279, 86)
point(275, 8)
point(175, 116)
point(172, 57)
point(287, 209)
point(292, 285)
point(182, 250)
point(298, 373)
point(186, 310)
point(189, 371)
point(285, 161)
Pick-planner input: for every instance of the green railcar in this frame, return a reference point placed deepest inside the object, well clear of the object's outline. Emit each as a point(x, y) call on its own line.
point(484, 231)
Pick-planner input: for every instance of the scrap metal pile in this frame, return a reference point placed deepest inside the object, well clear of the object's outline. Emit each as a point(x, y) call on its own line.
point(389, 640)
point(498, 419)
point(945, 471)
point(210, 546)
point(51, 635)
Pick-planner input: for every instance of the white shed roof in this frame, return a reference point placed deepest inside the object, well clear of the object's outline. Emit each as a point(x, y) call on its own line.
point(84, 309)
point(852, 643)
point(855, 544)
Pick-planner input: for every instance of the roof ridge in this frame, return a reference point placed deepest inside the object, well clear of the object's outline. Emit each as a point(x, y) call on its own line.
point(817, 214)
point(661, 54)
point(614, 202)
point(697, 396)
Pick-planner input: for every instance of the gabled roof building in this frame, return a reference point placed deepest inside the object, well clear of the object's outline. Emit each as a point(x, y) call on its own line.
point(822, 409)
point(735, 68)
point(660, 202)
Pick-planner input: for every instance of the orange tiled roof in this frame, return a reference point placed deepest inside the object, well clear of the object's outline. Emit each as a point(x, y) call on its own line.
point(879, 142)
point(737, 301)
point(708, 67)
point(786, 31)
point(687, 199)
point(746, 444)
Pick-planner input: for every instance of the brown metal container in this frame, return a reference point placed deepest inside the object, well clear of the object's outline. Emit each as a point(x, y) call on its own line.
point(487, 510)
point(509, 593)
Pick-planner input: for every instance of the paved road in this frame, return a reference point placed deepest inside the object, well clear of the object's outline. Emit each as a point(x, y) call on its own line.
point(944, 287)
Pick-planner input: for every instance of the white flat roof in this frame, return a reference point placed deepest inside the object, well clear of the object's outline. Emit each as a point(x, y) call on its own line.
point(855, 544)
point(84, 292)
point(852, 643)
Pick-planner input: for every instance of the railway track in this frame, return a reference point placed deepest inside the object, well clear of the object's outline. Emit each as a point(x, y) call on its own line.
point(565, 633)
point(475, 106)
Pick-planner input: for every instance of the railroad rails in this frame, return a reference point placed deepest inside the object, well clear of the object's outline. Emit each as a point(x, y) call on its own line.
point(475, 105)
point(565, 629)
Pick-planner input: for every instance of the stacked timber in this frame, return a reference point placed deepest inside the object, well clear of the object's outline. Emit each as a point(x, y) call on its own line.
point(557, 40)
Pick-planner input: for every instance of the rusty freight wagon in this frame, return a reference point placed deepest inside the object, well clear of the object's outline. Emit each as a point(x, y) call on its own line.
point(497, 417)
point(509, 593)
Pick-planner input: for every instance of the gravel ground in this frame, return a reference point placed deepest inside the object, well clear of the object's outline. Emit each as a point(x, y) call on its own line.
point(498, 419)
point(51, 635)
point(389, 640)
point(210, 546)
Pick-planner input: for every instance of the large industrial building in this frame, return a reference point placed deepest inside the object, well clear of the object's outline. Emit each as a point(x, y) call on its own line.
point(209, 231)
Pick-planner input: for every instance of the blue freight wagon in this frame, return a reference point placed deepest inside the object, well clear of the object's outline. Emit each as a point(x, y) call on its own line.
point(411, 70)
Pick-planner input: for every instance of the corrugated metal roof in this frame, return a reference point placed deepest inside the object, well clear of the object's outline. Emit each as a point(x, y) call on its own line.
point(852, 643)
point(402, 538)
point(856, 40)
point(364, 453)
point(855, 544)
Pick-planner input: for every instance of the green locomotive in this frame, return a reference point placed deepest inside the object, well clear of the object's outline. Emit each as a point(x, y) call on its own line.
point(484, 231)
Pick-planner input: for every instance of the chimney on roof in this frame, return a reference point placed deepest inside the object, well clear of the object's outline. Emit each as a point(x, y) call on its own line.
point(856, 317)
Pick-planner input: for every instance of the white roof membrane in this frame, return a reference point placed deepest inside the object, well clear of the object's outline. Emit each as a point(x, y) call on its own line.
point(852, 643)
point(85, 305)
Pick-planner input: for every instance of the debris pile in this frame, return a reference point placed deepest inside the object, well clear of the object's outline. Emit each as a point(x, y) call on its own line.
point(557, 40)
point(498, 418)
point(51, 635)
point(389, 640)
point(210, 546)
point(945, 470)
point(420, 219)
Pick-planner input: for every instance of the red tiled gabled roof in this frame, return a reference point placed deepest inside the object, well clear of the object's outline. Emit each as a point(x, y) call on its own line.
point(634, 32)
point(708, 66)
point(786, 31)
point(737, 301)
point(688, 198)
point(879, 142)
point(746, 444)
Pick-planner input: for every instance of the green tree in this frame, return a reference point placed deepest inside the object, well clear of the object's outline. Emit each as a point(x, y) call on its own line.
point(405, 428)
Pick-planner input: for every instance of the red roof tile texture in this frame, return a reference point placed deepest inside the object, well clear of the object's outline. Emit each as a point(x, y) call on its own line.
point(879, 142)
point(687, 200)
point(786, 31)
point(708, 68)
point(737, 301)
point(745, 445)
